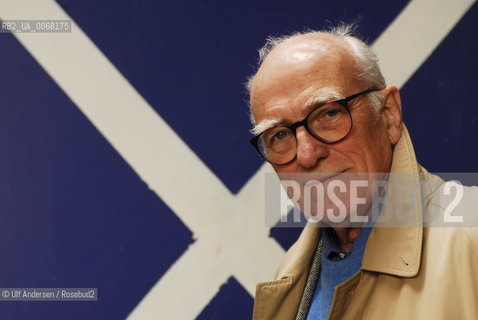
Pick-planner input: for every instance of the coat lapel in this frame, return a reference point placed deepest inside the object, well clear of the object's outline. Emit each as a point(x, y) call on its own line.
point(280, 299)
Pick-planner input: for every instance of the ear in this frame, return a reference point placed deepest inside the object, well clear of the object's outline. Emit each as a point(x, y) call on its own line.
point(391, 113)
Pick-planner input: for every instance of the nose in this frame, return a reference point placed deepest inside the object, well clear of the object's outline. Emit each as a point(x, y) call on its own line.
point(309, 150)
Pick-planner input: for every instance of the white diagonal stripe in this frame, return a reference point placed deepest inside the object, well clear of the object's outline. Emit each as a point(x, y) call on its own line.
point(413, 36)
point(178, 303)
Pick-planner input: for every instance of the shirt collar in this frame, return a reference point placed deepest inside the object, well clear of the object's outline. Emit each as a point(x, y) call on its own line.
point(332, 251)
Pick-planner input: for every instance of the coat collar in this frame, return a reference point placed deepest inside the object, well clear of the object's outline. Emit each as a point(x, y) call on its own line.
point(397, 250)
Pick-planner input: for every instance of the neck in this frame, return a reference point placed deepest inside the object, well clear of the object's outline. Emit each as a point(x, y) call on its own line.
point(347, 233)
point(346, 237)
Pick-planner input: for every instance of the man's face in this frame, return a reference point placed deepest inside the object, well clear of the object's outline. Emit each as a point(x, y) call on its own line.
point(299, 71)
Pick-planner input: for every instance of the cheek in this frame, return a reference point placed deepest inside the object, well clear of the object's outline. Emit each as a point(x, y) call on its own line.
point(380, 153)
point(369, 147)
point(291, 167)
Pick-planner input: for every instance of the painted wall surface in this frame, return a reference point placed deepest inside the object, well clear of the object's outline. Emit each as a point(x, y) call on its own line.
point(124, 155)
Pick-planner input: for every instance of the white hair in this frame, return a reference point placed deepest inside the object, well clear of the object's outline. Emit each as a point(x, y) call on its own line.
point(366, 60)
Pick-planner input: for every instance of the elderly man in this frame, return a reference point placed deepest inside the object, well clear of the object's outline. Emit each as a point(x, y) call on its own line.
point(321, 106)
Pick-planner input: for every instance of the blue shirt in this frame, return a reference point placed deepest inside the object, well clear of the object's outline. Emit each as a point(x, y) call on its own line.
point(336, 267)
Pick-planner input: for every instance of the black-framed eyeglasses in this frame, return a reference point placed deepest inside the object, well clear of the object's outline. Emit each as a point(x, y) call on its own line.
point(329, 122)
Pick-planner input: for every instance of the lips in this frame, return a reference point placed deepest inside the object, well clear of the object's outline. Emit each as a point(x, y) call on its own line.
point(330, 177)
point(319, 178)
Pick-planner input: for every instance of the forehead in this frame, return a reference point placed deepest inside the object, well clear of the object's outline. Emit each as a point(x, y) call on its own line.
point(300, 68)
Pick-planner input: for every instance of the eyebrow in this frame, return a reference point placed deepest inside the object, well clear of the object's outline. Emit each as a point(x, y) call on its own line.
point(263, 126)
point(324, 95)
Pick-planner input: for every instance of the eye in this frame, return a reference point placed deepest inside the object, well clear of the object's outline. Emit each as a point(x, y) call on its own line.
point(281, 135)
point(331, 113)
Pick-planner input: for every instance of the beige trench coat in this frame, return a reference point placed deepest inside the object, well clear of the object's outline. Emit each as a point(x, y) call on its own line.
point(407, 273)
